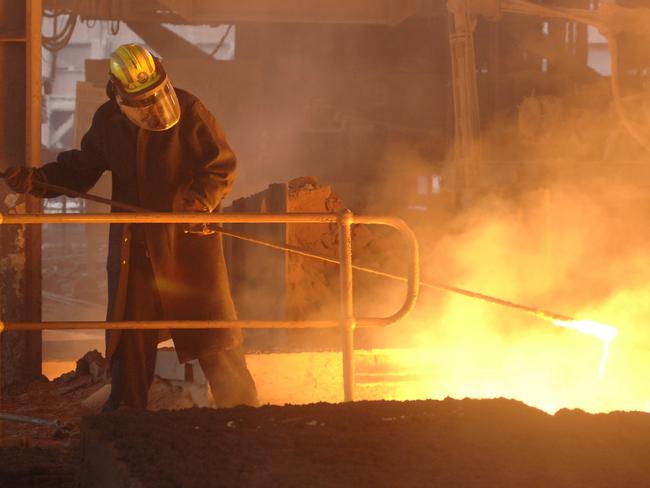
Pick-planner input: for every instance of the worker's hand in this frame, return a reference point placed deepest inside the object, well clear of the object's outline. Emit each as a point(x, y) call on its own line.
point(194, 205)
point(25, 180)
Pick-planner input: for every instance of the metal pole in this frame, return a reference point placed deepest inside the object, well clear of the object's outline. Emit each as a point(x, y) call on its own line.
point(169, 218)
point(293, 218)
point(171, 324)
point(27, 420)
point(33, 234)
point(348, 322)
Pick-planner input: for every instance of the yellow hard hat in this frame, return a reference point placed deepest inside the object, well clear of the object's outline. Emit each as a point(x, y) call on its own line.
point(134, 67)
point(142, 90)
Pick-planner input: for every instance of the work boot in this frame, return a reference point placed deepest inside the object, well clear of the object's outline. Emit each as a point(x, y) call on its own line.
point(117, 386)
point(230, 381)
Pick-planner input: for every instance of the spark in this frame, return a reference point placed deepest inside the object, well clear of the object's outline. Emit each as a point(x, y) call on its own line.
point(604, 332)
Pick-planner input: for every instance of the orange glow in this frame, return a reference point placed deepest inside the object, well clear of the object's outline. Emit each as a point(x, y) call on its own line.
point(602, 331)
point(559, 250)
point(54, 369)
point(480, 351)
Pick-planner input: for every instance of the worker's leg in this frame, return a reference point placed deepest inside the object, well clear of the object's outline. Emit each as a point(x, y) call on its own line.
point(133, 369)
point(134, 361)
point(222, 359)
point(230, 381)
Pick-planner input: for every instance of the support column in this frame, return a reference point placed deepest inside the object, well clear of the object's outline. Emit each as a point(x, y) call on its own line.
point(465, 93)
point(20, 144)
point(348, 322)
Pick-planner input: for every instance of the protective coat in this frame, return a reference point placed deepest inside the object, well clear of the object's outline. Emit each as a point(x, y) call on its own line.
point(156, 170)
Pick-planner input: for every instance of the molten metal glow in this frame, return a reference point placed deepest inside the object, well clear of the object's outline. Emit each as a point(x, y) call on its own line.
point(603, 332)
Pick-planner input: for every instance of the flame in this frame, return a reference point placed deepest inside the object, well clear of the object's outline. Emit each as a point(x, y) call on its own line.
point(603, 332)
point(468, 356)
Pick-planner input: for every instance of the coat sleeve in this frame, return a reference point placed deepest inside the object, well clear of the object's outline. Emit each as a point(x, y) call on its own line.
point(79, 169)
point(215, 163)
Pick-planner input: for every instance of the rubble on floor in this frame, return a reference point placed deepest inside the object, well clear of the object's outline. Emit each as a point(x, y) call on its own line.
point(44, 451)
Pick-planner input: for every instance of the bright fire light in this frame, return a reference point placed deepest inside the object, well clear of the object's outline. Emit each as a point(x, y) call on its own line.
point(603, 332)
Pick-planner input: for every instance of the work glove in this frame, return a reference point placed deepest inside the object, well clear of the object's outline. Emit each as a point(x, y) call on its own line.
point(25, 180)
point(194, 205)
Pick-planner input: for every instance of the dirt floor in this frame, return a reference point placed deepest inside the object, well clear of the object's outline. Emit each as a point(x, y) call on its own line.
point(45, 456)
point(49, 456)
point(450, 443)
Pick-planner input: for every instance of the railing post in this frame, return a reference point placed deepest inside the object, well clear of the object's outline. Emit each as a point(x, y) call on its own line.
point(348, 322)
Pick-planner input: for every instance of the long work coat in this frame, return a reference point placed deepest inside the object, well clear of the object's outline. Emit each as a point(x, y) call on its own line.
point(155, 170)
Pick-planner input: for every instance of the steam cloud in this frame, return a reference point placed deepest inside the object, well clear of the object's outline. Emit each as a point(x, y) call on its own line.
point(565, 227)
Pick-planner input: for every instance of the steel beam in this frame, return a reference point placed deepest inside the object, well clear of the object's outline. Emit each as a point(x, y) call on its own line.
point(20, 144)
point(378, 12)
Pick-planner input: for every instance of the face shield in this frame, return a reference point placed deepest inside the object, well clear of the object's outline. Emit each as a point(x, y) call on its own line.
point(155, 109)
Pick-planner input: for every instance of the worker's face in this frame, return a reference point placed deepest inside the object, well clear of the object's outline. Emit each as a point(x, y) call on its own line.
point(157, 110)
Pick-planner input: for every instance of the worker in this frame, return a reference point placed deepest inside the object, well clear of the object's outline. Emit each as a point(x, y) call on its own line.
point(166, 153)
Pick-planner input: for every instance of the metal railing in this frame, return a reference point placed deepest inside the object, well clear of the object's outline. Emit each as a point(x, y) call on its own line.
point(347, 321)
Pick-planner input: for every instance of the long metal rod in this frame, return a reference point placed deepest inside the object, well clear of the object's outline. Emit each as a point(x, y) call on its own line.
point(86, 196)
point(189, 324)
point(347, 303)
point(170, 218)
point(539, 312)
point(26, 420)
point(292, 218)
point(414, 281)
point(171, 324)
